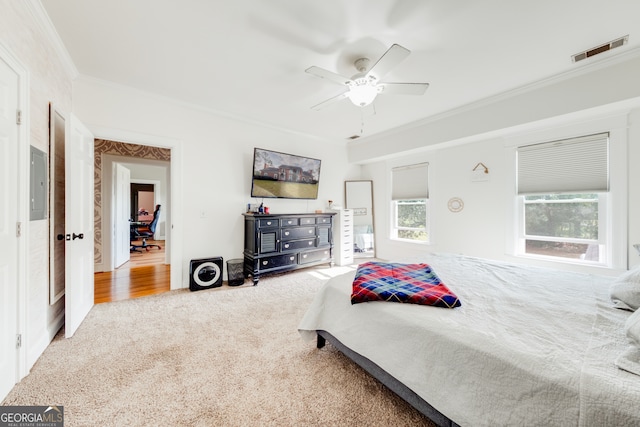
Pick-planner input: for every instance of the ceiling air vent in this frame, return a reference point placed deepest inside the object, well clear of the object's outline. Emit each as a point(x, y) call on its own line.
point(599, 49)
point(353, 137)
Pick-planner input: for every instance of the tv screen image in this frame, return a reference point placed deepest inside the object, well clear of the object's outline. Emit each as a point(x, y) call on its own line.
point(284, 175)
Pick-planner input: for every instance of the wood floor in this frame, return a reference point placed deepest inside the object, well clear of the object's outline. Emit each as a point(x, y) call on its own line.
point(145, 274)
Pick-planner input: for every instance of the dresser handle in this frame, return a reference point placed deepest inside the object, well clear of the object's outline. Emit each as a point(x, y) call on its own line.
point(304, 255)
point(310, 243)
point(268, 222)
point(292, 258)
point(310, 231)
point(265, 262)
point(286, 246)
point(286, 233)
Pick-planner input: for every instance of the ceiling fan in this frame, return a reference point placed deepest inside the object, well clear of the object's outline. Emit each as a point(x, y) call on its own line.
point(363, 87)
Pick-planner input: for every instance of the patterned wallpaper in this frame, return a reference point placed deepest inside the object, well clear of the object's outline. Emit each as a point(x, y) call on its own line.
point(101, 147)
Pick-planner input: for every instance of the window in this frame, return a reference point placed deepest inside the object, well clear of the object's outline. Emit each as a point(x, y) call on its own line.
point(562, 193)
point(409, 205)
point(563, 225)
point(410, 220)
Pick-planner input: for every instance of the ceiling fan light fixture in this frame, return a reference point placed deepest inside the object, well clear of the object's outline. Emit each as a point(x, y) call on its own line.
point(363, 88)
point(363, 91)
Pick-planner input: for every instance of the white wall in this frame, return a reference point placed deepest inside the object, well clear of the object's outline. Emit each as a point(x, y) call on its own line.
point(484, 227)
point(217, 155)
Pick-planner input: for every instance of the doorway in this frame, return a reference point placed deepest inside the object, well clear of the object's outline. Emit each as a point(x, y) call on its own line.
point(150, 170)
point(147, 203)
point(143, 199)
point(173, 215)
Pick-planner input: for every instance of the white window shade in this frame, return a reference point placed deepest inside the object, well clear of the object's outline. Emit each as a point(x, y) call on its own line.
point(410, 182)
point(574, 165)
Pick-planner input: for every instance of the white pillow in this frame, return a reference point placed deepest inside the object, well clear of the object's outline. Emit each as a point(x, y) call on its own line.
point(625, 290)
point(632, 327)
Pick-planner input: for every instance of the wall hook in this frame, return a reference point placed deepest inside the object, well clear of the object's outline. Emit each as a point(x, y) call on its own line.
point(486, 169)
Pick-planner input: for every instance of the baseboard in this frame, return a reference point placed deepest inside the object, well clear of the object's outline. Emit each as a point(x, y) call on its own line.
point(98, 268)
point(40, 345)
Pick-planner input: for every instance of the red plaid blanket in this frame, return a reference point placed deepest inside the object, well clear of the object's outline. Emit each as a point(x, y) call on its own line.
point(410, 283)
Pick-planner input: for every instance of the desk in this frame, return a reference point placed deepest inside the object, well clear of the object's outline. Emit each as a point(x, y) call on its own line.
point(135, 225)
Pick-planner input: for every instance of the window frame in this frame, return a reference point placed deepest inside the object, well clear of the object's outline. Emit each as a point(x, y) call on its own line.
point(604, 236)
point(395, 227)
point(617, 210)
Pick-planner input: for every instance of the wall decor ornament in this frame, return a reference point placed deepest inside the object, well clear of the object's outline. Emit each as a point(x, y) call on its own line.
point(455, 204)
point(480, 173)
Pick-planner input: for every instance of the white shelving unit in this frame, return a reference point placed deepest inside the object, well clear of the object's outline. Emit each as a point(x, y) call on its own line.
point(343, 237)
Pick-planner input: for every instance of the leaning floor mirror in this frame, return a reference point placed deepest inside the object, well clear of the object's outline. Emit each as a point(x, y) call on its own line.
point(359, 198)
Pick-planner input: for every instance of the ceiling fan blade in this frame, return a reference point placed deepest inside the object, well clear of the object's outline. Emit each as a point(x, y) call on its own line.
point(330, 101)
point(392, 57)
point(404, 88)
point(329, 75)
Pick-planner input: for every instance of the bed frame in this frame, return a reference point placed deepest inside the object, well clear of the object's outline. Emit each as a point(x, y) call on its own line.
point(387, 380)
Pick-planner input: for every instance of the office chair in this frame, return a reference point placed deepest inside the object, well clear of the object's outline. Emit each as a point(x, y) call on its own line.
point(148, 233)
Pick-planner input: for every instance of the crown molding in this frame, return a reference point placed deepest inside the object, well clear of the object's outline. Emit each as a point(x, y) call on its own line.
point(41, 17)
point(83, 78)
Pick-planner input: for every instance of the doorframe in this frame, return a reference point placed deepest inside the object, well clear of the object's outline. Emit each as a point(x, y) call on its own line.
point(173, 229)
point(23, 205)
point(108, 164)
point(157, 188)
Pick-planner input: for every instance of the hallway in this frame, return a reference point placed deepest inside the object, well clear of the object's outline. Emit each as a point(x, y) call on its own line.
point(145, 274)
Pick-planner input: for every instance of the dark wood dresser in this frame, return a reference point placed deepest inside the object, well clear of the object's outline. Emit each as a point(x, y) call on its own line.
point(274, 243)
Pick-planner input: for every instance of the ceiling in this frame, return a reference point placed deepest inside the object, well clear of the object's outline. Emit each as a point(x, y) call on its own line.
point(247, 58)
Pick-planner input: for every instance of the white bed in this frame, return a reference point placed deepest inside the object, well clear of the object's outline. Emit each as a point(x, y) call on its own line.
point(528, 346)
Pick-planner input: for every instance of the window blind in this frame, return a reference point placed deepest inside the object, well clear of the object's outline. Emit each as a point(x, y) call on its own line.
point(575, 165)
point(410, 182)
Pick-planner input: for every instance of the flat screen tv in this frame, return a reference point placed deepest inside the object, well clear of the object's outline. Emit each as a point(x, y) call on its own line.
point(284, 175)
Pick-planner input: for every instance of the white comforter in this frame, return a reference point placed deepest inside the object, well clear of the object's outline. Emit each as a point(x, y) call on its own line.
point(529, 346)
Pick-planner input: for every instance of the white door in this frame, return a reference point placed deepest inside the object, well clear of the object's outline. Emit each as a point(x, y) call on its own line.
point(122, 229)
point(79, 225)
point(8, 228)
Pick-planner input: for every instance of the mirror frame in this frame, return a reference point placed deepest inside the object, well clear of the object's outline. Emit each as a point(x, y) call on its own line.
point(354, 209)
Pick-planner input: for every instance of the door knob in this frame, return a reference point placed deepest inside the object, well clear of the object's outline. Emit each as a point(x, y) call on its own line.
point(77, 236)
point(60, 237)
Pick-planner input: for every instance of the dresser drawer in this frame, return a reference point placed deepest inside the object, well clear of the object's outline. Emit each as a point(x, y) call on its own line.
point(312, 256)
point(267, 222)
point(276, 261)
point(323, 220)
point(298, 233)
point(287, 222)
point(307, 221)
point(298, 244)
point(324, 235)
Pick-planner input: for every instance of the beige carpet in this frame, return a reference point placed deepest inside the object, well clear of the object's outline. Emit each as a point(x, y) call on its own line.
point(218, 357)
